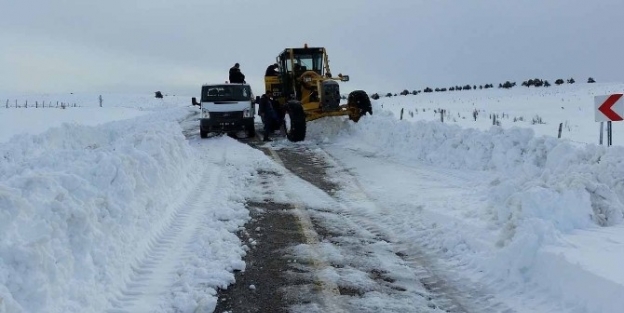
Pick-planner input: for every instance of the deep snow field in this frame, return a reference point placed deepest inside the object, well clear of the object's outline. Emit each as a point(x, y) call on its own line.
point(572, 105)
point(86, 192)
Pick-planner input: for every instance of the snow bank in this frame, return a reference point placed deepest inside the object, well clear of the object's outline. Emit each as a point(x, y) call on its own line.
point(578, 185)
point(545, 188)
point(74, 203)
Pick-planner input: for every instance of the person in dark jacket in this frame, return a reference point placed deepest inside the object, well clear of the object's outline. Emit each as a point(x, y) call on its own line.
point(272, 70)
point(236, 76)
point(267, 113)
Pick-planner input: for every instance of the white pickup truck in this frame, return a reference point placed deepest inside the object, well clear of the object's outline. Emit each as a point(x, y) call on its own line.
point(226, 108)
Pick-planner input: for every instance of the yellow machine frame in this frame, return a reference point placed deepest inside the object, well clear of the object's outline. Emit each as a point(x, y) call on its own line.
point(310, 82)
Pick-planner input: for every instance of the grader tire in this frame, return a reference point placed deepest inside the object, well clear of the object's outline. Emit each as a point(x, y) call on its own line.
point(360, 103)
point(294, 121)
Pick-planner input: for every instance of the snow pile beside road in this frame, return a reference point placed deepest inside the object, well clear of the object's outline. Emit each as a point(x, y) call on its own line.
point(80, 205)
point(76, 200)
point(580, 183)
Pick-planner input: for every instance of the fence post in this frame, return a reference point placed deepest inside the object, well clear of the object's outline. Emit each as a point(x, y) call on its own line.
point(7, 104)
point(560, 125)
point(601, 132)
point(26, 105)
point(442, 115)
point(36, 104)
point(401, 118)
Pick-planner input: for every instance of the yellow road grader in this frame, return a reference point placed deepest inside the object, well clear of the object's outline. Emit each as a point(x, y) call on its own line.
point(306, 90)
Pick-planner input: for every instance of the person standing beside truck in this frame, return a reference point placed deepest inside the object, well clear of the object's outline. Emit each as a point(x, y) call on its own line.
point(267, 113)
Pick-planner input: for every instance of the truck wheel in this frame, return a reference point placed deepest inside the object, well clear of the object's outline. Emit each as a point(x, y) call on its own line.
point(294, 121)
point(202, 133)
point(359, 104)
point(251, 130)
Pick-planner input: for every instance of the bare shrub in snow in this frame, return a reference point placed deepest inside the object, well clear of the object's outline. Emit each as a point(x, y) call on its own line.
point(537, 120)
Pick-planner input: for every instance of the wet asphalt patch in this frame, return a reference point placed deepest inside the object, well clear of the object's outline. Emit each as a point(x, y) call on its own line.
point(260, 288)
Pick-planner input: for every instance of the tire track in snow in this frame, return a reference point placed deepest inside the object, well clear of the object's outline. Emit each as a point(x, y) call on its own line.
point(411, 272)
point(150, 280)
point(451, 295)
point(441, 288)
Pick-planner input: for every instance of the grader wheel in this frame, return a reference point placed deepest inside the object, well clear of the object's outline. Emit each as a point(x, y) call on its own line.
point(294, 121)
point(359, 104)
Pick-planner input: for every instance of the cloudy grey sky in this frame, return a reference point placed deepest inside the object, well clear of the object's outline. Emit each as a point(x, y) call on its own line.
point(175, 46)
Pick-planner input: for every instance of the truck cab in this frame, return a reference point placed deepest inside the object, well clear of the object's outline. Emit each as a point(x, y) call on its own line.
point(226, 108)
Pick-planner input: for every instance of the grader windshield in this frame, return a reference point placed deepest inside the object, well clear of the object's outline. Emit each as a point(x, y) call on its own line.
point(303, 59)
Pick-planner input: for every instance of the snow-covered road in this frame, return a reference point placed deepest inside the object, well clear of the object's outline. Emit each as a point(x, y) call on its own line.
point(366, 229)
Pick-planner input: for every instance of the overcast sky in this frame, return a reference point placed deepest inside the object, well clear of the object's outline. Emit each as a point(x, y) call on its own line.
point(175, 46)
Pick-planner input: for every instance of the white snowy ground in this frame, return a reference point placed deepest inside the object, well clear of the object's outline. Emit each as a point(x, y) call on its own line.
point(88, 207)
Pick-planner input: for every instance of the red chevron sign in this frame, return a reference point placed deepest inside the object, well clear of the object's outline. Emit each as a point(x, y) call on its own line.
point(609, 107)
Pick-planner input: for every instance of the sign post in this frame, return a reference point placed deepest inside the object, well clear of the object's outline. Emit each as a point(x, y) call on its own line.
point(609, 134)
point(609, 108)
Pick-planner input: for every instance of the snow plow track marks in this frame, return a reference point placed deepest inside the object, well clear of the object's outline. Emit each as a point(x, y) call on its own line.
point(321, 285)
point(150, 278)
point(365, 240)
point(282, 282)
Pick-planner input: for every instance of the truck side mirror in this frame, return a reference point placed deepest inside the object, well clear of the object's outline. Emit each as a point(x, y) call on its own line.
point(344, 78)
point(257, 100)
point(194, 101)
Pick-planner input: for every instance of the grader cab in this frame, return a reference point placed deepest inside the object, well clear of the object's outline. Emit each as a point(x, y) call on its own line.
point(306, 90)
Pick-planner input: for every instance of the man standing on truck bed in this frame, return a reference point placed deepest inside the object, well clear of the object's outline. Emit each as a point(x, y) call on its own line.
point(236, 76)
